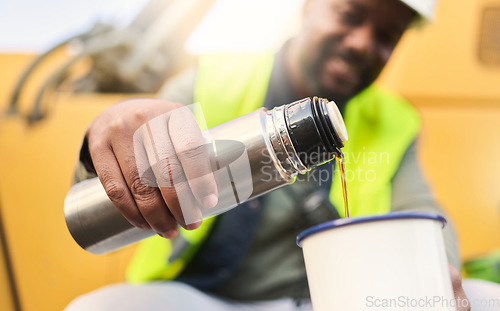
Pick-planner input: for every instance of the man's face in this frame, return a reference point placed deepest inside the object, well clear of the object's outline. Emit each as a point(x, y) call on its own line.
point(344, 44)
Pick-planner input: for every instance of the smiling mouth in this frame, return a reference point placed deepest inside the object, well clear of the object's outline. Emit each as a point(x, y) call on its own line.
point(342, 70)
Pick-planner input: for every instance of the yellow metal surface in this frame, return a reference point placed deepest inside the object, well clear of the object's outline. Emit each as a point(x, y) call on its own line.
point(438, 69)
point(6, 297)
point(36, 164)
point(441, 60)
point(459, 151)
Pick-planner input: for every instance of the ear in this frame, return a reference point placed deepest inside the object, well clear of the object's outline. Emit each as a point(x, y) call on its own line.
point(306, 7)
point(306, 11)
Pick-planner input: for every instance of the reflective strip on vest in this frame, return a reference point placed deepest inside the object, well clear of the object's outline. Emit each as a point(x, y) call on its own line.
point(381, 126)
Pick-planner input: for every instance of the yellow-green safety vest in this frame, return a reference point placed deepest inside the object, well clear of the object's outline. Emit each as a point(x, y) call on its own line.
point(381, 126)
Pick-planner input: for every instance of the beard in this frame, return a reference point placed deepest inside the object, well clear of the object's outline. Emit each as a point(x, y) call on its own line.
point(338, 74)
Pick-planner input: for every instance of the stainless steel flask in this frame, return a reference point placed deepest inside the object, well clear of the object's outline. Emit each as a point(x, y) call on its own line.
point(252, 155)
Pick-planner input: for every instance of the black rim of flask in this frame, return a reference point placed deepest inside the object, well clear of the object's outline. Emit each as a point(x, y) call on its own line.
point(311, 131)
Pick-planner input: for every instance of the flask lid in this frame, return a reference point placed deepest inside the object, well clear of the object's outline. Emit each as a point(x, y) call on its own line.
point(316, 130)
point(337, 120)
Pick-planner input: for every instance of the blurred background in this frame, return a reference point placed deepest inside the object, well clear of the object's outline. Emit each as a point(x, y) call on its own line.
point(63, 62)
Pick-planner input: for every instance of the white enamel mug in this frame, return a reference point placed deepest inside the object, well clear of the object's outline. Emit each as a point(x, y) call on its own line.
point(395, 261)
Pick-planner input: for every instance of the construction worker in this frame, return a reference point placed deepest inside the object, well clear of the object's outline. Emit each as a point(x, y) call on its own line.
point(247, 259)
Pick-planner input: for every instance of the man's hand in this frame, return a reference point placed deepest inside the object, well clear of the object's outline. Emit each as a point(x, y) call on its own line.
point(138, 136)
point(462, 302)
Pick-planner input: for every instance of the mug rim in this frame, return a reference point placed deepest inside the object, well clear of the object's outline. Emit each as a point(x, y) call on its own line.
point(342, 222)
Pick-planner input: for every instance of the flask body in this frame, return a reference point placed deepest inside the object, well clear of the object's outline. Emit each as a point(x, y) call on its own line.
point(250, 156)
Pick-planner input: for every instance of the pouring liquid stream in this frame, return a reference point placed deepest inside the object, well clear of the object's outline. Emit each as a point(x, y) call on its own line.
point(339, 157)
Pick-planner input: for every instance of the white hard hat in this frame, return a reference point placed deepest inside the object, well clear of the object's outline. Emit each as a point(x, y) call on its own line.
point(424, 8)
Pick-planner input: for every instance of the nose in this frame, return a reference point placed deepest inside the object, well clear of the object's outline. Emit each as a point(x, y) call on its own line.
point(361, 40)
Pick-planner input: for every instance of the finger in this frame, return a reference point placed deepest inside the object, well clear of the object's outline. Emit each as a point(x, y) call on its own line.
point(463, 303)
point(146, 196)
point(169, 173)
point(114, 184)
point(191, 150)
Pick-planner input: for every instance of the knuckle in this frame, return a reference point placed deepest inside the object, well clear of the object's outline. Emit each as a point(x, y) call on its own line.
point(140, 115)
point(168, 173)
point(96, 144)
point(141, 191)
point(116, 191)
point(117, 125)
point(194, 152)
point(190, 144)
point(163, 170)
point(169, 192)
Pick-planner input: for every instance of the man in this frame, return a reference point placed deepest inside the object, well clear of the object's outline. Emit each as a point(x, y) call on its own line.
point(249, 254)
